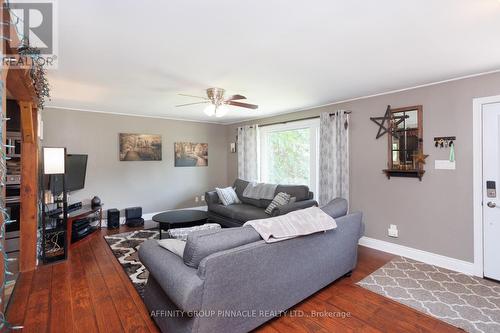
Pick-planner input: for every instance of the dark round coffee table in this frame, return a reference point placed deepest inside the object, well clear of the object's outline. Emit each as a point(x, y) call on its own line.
point(180, 219)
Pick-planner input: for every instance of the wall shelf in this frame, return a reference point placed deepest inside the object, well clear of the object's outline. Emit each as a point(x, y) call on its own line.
point(404, 173)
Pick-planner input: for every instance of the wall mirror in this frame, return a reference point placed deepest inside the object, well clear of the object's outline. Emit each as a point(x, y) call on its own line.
point(405, 156)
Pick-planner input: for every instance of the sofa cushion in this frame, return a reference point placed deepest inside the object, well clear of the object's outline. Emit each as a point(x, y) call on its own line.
point(239, 186)
point(336, 208)
point(242, 212)
point(201, 244)
point(300, 192)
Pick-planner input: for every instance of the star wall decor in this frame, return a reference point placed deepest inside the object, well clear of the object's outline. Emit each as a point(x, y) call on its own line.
point(383, 128)
point(420, 157)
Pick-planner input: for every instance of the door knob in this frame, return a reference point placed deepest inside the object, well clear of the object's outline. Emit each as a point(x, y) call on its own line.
point(491, 204)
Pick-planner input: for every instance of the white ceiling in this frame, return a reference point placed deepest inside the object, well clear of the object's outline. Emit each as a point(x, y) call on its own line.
point(133, 57)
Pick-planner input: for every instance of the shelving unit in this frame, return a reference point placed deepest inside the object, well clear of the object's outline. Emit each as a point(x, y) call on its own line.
point(54, 234)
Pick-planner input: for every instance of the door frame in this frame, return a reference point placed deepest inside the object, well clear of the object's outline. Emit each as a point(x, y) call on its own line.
point(477, 190)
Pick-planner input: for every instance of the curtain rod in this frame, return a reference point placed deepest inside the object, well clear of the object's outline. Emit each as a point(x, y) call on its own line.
point(294, 120)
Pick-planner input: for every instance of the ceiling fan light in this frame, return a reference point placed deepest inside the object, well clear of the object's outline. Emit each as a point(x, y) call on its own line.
point(221, 111)
point(210, 110)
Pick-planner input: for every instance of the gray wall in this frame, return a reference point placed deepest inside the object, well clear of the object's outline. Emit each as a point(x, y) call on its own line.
point(434, 215)
point(154, 185)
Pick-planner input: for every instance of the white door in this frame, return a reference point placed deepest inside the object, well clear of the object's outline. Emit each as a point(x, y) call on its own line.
point(491, 190)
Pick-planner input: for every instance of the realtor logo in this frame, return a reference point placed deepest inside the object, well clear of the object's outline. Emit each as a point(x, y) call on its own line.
point(35, 23)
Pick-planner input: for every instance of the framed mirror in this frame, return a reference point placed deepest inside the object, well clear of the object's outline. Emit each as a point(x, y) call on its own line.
point(405, 143)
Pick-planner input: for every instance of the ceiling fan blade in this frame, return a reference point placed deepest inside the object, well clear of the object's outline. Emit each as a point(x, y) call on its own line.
point(235, 97)
point(187, 95)
point(205, 102)
point(243, 105)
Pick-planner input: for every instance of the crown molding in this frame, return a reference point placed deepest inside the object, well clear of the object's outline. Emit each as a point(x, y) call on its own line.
point(369, 96)
point(283, 112)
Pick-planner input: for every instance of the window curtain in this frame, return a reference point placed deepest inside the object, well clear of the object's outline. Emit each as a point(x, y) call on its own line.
point(248, 161)
point(333, 156)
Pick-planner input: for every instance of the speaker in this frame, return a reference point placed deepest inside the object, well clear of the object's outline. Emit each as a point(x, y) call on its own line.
point(133, 217)
point(113, 218)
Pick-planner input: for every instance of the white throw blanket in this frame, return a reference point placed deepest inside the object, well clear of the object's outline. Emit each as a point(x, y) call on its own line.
point(297, 223)
point(260, 191)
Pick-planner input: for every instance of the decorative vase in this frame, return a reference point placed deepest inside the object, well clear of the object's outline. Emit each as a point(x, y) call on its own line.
point(96, 202)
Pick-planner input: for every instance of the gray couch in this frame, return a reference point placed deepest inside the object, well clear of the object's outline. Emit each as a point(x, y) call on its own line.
point(232, 281)
point(252, 209)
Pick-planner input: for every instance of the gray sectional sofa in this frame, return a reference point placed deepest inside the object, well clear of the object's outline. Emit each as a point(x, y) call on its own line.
point(232, 281)
point(253, 209)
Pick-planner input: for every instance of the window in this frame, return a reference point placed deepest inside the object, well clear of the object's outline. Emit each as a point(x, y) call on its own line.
point(289, 153)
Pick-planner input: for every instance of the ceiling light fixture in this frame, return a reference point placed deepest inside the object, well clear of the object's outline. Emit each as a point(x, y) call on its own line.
point(221, 111)
point(210, 110)
point(218, 105)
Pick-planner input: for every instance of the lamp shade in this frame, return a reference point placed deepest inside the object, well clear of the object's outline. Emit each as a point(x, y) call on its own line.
point(54, 160)
point(210, 110)
point(221, 111)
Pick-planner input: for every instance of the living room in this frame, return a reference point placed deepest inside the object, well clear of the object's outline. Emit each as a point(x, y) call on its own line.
point(328, 167)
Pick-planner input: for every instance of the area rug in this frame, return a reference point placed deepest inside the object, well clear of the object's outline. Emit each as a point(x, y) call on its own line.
point(125, 247)
point(467, 302)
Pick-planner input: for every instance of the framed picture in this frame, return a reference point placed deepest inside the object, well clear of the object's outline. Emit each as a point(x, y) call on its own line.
point(140, 147)
point(191, 154)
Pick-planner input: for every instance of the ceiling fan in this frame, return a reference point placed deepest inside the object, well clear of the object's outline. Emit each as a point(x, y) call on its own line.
point(218, 103)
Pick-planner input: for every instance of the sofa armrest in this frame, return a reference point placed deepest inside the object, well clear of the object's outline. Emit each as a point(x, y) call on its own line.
point(211, 197)
point(285, 209)
point(180, 282)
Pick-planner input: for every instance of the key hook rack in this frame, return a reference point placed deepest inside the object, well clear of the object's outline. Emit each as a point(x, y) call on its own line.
point(444, 141)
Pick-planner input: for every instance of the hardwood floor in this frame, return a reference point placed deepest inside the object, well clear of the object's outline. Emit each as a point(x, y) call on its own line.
point(90, 292)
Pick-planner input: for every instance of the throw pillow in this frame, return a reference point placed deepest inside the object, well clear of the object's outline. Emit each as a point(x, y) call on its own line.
point(227, 196)
point(182, 233)
point(175, 246)
point(280, 199)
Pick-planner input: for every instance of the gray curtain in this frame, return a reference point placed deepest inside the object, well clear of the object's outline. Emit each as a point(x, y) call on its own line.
point(248, 161)
point(333, 156)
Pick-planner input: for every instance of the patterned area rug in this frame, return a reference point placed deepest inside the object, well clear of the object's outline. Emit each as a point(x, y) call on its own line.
point(467, 302)
point(125, 247)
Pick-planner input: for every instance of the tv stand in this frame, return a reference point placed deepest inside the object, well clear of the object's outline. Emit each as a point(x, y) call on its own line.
point(77, 216)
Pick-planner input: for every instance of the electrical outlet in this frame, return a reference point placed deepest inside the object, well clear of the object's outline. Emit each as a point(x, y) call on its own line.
point(196, 199)
point(202, 198)
point(393, 231)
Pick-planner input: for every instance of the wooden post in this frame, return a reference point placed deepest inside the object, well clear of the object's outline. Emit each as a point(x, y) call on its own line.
point(29, 187)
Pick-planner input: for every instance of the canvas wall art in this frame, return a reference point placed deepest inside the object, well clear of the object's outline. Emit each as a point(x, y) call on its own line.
point(190, 154)
point(140, 147)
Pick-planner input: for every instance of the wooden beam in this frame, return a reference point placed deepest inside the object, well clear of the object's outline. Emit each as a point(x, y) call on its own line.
point(19, 82)
point(29, 188)
point(20, 85)
point(27, 123)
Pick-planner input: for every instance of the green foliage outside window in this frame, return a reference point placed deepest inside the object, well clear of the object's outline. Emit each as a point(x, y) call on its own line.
point(288, 157)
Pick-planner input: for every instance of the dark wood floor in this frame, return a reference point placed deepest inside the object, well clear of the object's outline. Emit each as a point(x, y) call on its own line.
point(91, 293)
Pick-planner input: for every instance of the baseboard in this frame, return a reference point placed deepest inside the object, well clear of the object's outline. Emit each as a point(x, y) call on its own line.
point(149, 216)
point(423, 256)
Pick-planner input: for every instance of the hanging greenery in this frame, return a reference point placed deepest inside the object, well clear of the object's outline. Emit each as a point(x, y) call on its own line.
point(38, 72)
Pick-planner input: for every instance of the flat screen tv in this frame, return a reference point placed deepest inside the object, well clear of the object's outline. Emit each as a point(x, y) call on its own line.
point(76, 169)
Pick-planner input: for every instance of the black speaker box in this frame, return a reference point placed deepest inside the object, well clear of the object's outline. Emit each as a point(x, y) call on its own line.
point(135, 222)
point(133, 213)
point(113, 218)
point(133, 217)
